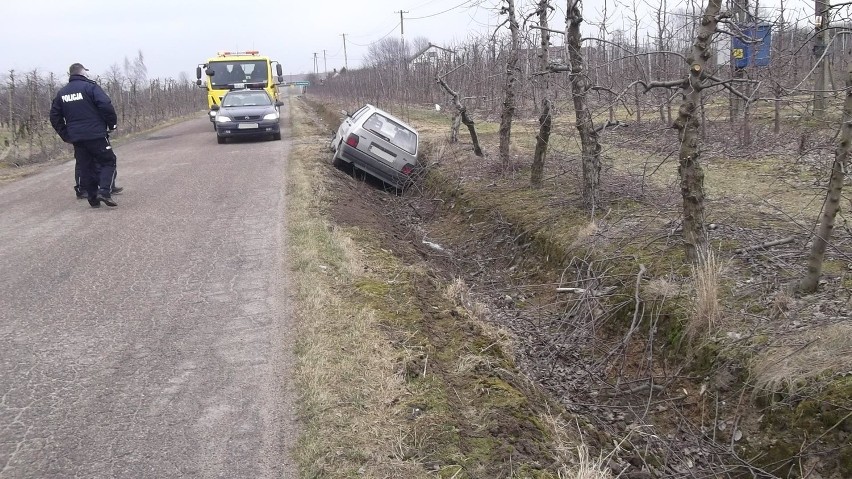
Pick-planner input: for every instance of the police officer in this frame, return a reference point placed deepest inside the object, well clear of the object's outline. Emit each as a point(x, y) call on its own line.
point(82, 114)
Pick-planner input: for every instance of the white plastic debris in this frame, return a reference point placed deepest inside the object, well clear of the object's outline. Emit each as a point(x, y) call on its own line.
point(434, 246)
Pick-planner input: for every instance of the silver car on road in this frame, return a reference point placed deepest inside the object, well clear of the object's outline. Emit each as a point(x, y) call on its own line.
point(377, 143)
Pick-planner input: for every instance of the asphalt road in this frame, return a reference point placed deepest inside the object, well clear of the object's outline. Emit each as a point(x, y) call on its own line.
point(152, 339)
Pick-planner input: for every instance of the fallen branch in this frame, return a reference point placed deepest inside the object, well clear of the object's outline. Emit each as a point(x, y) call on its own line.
point(611, 124)
point(632, 390)
point(765, 245)
point(592, 292)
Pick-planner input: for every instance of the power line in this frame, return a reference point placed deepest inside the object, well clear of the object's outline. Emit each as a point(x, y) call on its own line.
point(380, 39)
point(445, 11)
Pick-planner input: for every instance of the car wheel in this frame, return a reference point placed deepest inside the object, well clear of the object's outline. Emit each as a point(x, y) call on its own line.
point(276, 136)
point(221, 140)
point(336, 160)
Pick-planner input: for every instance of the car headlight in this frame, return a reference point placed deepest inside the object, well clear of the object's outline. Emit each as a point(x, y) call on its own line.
point(271, 116)
point(222, 119)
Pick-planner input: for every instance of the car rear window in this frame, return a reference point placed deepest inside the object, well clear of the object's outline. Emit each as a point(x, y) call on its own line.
point(392, 132)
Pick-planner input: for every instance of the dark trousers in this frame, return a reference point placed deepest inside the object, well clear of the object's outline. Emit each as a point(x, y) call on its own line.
point(96, 165)
point(77, 179)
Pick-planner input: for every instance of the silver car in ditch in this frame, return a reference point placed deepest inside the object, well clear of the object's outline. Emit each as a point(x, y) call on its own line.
point(379, 144)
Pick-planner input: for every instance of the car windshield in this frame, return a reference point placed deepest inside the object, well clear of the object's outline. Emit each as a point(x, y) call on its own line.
point(230, 72)
point(246, 99)
point(392, 132)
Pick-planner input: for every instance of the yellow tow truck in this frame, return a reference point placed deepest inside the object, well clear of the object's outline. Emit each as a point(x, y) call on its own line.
point(236, 70)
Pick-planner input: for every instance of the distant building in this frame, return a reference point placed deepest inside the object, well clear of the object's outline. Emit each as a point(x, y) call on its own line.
point(430, 56)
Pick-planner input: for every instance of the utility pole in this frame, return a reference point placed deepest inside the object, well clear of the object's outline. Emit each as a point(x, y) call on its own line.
point(820, 44)
point(345, 57)
point(315, 63)
point(324, 65)
point(401, 34)
point(402, 60)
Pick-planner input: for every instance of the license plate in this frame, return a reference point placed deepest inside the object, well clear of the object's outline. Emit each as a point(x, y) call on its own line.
point(239, 86)
point(246, 126)
point(382, 154)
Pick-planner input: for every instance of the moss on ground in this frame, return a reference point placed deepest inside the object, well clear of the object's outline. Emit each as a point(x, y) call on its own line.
point(817, 415)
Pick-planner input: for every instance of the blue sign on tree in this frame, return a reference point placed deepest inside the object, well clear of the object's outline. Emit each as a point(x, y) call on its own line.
point(754, 48)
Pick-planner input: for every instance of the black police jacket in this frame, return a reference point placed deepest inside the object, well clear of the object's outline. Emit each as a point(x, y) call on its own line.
point(82, 111)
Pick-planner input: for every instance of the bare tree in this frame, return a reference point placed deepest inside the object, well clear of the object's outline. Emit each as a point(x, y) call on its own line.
point(545, 121)
point(462, 114)
point(831, 206)
point(385, 52)
point(25, 102)
point(140, 71)
point(688, 126)
point(663, 43)
point(639, 70)
point(822, 15)
point(580, 85)
point(508, 112)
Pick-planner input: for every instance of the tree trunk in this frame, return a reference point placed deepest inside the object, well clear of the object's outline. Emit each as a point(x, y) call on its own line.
point(831, 206)
point(509, 92)
point(820, 45)
point(777, 126)
point(462, 113)
point(591, 149)
point(545, 121)
point(746, 143)
point(748, 91)
point(454, 130)
point(639, 74)
point(545, 125)
point(687, 124)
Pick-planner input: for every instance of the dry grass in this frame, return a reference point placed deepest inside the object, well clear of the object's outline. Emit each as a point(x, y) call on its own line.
point(781, 304)
point(588, 467)
point(707, 311)
point(346, 375)
point(459, 293)
point(574, 460)
point(810, 355)
point(661, 289)
point(586, 235)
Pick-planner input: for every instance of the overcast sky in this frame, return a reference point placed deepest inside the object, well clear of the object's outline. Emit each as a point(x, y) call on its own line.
point(176, 35)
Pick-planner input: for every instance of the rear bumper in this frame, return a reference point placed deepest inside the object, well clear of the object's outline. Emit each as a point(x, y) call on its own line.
point(373, 166)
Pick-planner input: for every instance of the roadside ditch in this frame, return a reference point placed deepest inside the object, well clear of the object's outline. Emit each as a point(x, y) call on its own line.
point(508, 284)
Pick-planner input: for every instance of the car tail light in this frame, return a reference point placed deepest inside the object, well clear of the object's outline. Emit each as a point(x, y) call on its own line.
point(407, 169)
point(352, 140)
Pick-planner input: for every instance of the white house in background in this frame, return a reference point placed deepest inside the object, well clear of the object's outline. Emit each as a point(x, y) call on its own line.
point(428, 55)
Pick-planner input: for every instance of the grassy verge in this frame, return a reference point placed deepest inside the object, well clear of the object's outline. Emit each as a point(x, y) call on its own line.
point(346, 373)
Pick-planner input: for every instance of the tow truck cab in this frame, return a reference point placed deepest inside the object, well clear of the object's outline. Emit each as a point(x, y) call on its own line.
point(237, 70)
